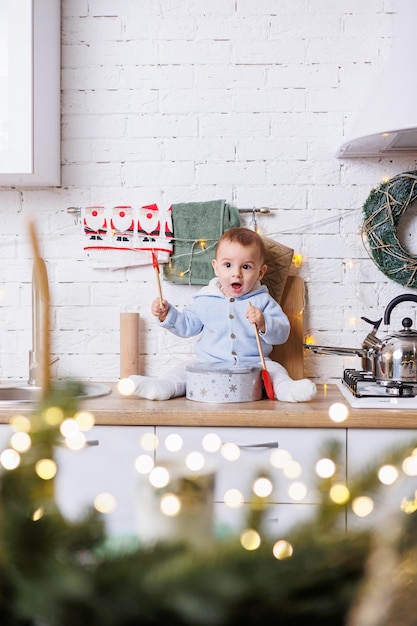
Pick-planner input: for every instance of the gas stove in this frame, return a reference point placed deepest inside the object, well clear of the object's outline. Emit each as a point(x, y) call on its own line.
point(361, 390)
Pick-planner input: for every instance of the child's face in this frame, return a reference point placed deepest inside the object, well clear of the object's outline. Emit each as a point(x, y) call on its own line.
point(238, 267)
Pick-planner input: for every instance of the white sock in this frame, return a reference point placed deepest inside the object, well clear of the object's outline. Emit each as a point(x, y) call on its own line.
point(295, 390)
point(158, 388)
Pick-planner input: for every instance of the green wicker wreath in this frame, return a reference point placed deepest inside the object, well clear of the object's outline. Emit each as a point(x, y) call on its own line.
point(383, 210)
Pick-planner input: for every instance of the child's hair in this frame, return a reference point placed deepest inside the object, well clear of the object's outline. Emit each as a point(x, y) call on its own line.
point(245, 237)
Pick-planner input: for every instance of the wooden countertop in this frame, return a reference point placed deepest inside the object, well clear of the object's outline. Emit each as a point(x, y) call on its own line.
point(118, 411)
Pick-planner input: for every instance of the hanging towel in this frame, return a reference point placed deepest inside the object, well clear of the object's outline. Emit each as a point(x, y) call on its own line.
point(197, 227)
point(126, 236)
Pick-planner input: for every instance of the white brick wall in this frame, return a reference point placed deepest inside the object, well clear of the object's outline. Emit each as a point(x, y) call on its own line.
point(184, 100)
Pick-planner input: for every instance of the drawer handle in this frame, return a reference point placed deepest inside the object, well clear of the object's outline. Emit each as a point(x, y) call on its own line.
point(268, 444)
point(90, 442)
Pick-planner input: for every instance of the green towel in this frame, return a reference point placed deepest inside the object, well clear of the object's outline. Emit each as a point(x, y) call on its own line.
point(197, 228)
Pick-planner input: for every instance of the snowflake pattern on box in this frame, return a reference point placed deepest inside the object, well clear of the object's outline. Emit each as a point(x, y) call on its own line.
point(215, 382)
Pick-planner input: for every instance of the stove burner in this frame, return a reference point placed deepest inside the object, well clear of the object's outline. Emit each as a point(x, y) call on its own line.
point(363, 384)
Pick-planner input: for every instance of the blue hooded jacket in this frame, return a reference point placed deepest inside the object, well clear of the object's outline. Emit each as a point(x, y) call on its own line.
point(226, 335)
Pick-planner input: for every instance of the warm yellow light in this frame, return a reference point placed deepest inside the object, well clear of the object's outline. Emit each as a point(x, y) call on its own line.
point(362, 506)
point(170, 504)
point(20, 423)
point(325, 468)
point(211, 442)
point(280, 458)
point(195, 461)
point(76, 442)
point(388, 474)
point(53, 415)
point(38, 514)
point(292, 469)
point(338, 412)
point(85, 420)
point(233, 498)
point(262, 487)
point(282, 549)
point(339, 493)
point(21, 441)
point(149, 442)
point(250, 539)
point(230, 451)
point(297, 259)
point(309, 340)
point(173, 442)
point(69, 428)
point(297, 491)
point(126, 387)
point(46, 469)
point(159, 477)
point(9, 459)
point(105, 503)
point(144, 464)
point(410, 466)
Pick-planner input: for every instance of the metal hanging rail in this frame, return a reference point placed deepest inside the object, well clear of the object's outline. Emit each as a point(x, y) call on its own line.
point(76, 210)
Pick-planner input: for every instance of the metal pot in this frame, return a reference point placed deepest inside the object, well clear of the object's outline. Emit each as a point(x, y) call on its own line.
point(392, 359)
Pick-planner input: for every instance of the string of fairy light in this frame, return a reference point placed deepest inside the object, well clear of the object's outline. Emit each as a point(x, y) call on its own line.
point(198, 460)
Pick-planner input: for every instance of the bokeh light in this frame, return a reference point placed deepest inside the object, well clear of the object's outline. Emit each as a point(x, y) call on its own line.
point(173, 442)
point(388, 474)
point(211, 442)
point(21, 441)
point(195, 461)
point(339, 493)
point(250, 539)
point(144, 464)
point(409, 465)
point(297, 491)
point(126, 386)
point(85, 420)
point(282, 549)
point(53, 415)
point(233, 498)
point(338, 412)
point(105, 503)
point(170, 504)
point(46, 469)
point(262, 487)
point(325, 468)
point(230, 451)
point(159, 477)
point(280, 458)
point(149, 442)
point(20, 423)
point(9, 459)
point(292, 469)
point(362, 506)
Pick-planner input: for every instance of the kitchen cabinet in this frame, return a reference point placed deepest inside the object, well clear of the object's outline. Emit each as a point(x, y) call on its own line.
point(260, 452)
point(109, 468)
point(30, 93)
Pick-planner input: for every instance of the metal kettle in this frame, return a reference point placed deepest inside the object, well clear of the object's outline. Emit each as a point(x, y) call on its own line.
point(392, 359)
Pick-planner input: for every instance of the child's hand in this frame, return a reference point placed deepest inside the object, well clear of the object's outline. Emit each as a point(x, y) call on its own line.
point(255, 316)
point(160, 311)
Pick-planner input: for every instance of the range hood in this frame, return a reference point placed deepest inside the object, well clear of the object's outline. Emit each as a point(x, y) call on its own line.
point(388, 124)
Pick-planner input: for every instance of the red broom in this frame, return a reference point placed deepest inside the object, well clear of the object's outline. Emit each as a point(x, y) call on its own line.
point(265, 374)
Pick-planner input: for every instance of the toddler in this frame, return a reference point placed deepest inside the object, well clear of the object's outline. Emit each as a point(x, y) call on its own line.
point(224, 313)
